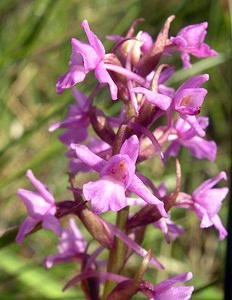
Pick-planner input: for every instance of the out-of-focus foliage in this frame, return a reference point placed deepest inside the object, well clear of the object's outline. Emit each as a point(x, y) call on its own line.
point(34, 51)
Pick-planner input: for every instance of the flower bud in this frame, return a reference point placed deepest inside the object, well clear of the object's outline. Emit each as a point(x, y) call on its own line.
point(147, 42)
point(132, 49)
point(96, 227)
point(151, 59)
point(101, 126)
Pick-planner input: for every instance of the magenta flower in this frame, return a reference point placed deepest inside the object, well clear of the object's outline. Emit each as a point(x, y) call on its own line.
point(41, 208)
point(77, 120)
point(185, 136)
point(206, 201)
point(85, 58)
point(166, 289)
point(188, 100)
point(190, 40)
point(71, 246)
point(117, 175)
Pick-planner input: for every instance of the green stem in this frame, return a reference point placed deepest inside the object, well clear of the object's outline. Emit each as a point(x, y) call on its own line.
point(117, 254)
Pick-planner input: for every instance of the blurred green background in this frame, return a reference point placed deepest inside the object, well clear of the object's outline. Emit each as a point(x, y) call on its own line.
point(34, 52)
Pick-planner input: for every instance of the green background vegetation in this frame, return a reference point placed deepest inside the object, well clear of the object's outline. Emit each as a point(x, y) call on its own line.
point(34, 52)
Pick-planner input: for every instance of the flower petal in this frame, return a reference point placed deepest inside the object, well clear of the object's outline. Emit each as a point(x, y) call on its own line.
point(221, 229)
point(175, 279)
point(42, 188)
point(137, 186)
point(36, 205)
point(90, 58)
point(88, 157)
point(160, 100)
point(201, 148)
point(93, 40)
point(208, 184)
point(105, 194)
point(27, 226)
point(57, 258)
point(193, 122)
point(193, 82)
point(103, 77)
point(190, 99)
point(82, 102)
point(131, 148)
point(175, 292)
point(75, 74)
point(52, 223)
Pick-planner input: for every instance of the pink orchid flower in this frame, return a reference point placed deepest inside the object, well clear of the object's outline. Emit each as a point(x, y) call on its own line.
point(41, 207)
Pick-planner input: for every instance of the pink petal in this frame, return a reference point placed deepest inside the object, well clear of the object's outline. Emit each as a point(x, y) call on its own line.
point(218, 224)
point(88, 157)
point(131, 148)
point(203, 51)
point(74, 135)
point(88, 53)
point(193, 82)
point(135, 201)
point(93, 40)
point(66, 123)
point(196, 97)
point(175, 292)
point(201, 148)
point(192, 120)
point(36, 205)
point(103, 77)
point(76, 74)
point(42, 188)
point(105, 194)
point(185, 57)
point(26, 227)
point(77, 237)
point(57, 258)
point(160, 100)
point(137, 186)
point(52, 223)
point(208, 184)
point(82, 102)
point(194, 34)
point(211, 199)
point(172, 150)
point(173, 280)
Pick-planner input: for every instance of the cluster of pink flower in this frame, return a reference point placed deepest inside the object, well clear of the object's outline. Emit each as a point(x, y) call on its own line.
point(135, 76)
